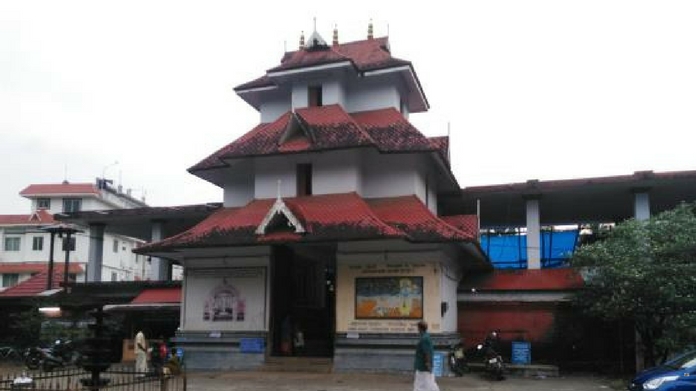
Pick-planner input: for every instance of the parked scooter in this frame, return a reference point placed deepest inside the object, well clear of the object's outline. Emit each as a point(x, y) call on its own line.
point(492, 359)
point(60, 354)
point(457, 359)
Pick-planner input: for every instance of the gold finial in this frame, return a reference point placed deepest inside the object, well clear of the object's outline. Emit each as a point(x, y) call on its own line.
point(335, 35)
point(369, 30)
point(302, 40)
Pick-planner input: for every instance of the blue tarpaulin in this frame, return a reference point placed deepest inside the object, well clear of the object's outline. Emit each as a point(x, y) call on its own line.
point(509, 251)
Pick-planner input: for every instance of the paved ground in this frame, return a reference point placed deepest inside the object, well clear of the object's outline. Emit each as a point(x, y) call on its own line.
point(285, 381)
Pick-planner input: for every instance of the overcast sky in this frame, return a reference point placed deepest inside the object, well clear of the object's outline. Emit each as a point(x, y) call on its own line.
point(531, 89)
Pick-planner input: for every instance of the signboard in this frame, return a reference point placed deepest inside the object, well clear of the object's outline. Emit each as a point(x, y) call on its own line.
point(521, 352)
point(251, 345)
point(438, 364)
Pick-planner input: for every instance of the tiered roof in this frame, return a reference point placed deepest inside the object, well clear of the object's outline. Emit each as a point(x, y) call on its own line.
point(325, 218)
point(326, 128)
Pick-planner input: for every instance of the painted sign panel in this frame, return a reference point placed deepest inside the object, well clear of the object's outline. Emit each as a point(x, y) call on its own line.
point(389, 298)
point(521, 352)
point(227, 299)
point(438, 363)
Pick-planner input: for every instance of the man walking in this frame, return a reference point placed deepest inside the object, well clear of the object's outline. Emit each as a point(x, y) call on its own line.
point(424, 379)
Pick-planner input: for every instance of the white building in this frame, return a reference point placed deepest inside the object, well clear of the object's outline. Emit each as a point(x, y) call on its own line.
point(25, 246)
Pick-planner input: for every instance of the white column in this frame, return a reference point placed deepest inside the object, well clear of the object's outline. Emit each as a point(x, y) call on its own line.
point(159, 268)
point(641, 205)
point(641, 211)
point(533, 234)
point(96, 253)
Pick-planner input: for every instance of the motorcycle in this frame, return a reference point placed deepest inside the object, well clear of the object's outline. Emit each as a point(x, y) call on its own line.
point(457, 359)
point(493, 362)
point(60, 354)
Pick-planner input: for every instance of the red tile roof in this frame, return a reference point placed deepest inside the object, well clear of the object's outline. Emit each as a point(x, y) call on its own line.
point(61, 188)
point(37, 218)
point(466, 223)
point(364, 55)
point(409, 215)
point(36, 267)
point(158, 295)
point(328, 127)
point(37, 283)
point(330, 217)
point(524, 280)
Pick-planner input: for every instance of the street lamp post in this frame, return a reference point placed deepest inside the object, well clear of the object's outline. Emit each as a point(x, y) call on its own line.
point(60, 229)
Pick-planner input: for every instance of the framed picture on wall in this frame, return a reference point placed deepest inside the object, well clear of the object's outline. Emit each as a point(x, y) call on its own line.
point(389, 298)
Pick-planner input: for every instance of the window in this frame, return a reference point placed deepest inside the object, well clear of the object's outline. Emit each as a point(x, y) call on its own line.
point(115, 245)
point(315, 96)
point(304, 180)
point(37, 243)
point(12, 243)
point(71, 205)
point(69, 246)
point(114, 276)
point(10, 279)
point(43, 203)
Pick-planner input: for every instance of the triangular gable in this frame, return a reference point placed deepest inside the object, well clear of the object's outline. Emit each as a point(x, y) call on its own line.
point(296, 129)
point(279, 213)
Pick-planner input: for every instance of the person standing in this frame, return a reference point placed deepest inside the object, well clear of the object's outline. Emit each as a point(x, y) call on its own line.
point(140, 354)
point(424, 379)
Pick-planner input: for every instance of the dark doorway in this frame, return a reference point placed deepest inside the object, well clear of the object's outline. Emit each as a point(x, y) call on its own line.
point(303, 301)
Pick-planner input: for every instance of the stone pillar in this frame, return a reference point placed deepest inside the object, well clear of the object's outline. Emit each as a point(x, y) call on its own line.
point(533, 233)
point(96, 252)
point(159, 268)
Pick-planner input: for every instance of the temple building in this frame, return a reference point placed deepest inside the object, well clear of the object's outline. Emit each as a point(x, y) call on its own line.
point(328, 242)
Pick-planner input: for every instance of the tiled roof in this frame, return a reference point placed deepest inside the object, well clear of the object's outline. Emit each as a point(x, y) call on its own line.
point(330, 217)
point(466, 223)
point(37, 218)
point(60, 188)
point(158, 295)
point(524, 280)
point(37, 283)
point(364, 55)
point(408, 214)
point(328, 127)
point(36, 267)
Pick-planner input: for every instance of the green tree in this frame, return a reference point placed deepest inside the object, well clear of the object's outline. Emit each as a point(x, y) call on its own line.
point(644, 271)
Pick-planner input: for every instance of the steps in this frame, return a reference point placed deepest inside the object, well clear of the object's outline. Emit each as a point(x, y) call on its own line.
point(298, 364)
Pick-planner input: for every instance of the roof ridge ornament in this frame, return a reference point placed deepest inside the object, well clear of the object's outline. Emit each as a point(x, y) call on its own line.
point(335, 35)
point(370, 30)
point(302, 41)
point(279, 210)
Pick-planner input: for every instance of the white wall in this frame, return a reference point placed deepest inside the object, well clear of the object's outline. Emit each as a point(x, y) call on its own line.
point(391, 175)
point(333, 92)
point(270, 170)
point(300, 95)
point(272, 109)
point(337, 172)
point(238, 191)
point(371, 95)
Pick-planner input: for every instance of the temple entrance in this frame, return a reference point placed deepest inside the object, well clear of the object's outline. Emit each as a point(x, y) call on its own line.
point(303, 301)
